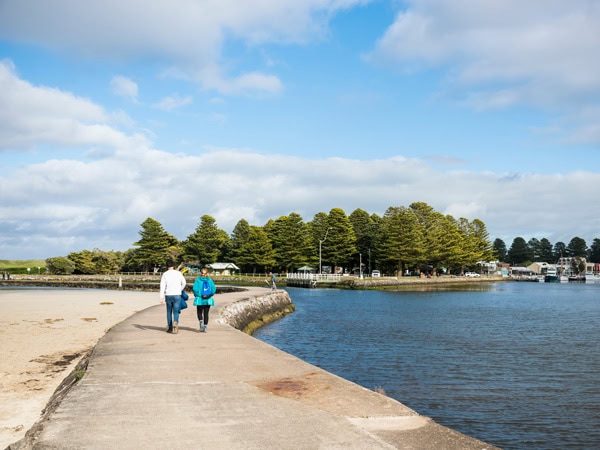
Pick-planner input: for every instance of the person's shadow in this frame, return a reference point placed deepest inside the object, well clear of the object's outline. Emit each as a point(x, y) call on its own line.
point(161, 329)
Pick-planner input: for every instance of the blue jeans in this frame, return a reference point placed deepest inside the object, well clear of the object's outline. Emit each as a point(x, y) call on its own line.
point(172, 302)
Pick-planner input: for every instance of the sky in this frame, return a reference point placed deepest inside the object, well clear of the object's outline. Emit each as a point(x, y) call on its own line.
point(112, 112)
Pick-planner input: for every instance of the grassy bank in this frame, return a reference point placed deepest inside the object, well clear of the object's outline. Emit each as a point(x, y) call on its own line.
point(23, 267)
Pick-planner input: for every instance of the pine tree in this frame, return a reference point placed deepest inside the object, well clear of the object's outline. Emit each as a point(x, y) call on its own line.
point(341, 245)
point(290, 240)
point(401, 244)
point(365, 230)
point(594, 251)
point(155, 246)
point(519, 252)
point(205, 244)
point(499, 250)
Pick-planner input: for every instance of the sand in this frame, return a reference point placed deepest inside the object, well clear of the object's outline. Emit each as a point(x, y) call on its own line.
point(44, 333)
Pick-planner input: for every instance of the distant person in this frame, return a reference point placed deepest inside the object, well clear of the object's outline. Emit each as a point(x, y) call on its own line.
point(273, 285)
point(204, 290)
point(172, 283)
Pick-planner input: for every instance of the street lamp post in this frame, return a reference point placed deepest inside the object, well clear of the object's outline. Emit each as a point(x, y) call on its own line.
point(360, 265)
point(320, 242)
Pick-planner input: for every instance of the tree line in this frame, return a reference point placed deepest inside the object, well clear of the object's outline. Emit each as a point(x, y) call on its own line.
point(404, 240)
point(523, 253)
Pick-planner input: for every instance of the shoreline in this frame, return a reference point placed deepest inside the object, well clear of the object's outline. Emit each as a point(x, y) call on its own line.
point(150, 283)
point(44, 334)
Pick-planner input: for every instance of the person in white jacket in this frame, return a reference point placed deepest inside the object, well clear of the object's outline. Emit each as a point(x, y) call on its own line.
point(172, 282)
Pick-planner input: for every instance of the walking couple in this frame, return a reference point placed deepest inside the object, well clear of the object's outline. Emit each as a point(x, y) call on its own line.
point(172, 284)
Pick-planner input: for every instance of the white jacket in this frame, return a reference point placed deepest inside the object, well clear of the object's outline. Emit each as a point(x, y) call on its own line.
point(172, 282)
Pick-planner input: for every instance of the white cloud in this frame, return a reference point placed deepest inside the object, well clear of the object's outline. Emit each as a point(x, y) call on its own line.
point(124, 87)
point(33, 115)
point(173, 102)
point(186, 35)
point(64, 205)
point(507, 53)
point(211, 77)
point(68, 205)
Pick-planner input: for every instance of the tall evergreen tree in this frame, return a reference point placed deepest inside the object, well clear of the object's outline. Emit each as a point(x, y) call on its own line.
point(594, 251)
point(373, 257)
point(341, 244)
point(319, 231)
point(545, 251)
point(238, 241)
point(534, 245)
point(154, 247)
point(401, 243)
point(290, 239)
point(205, 244)
point(444, 243)
point(499, 250)
point(519, 252)
point(559, 251)
point(577, 247)
point(258, 250)
point(480, 241)
point(365, 232)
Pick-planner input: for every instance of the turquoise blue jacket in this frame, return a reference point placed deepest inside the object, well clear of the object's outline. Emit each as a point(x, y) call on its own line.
point(197, 290)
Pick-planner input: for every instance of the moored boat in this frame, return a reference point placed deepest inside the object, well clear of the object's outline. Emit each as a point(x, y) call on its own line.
point(551, 275)
point(591, 277)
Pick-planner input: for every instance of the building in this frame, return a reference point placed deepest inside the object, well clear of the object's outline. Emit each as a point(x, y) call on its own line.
point(540, 268)
point(223, 269)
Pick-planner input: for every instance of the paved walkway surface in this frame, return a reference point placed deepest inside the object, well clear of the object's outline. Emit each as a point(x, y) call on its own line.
point(145, 388)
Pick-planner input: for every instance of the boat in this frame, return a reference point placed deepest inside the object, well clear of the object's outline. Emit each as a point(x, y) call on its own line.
point(551, 275)
point(591, 277)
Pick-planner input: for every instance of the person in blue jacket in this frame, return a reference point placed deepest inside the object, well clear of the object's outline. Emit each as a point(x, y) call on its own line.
point(204, 290)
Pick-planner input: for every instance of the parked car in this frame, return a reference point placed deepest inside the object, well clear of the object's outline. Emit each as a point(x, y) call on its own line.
point(471, 274)
point(375, 273)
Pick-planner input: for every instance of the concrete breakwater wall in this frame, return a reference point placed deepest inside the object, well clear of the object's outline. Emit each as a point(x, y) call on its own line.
point(255, 311)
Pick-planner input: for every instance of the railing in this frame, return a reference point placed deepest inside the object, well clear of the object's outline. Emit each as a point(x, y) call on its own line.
point(315, 277)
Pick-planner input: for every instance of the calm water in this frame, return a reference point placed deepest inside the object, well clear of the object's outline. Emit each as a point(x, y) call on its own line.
point(514, 364)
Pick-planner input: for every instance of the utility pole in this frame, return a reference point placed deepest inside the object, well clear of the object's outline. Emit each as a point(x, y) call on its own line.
point(320, 242)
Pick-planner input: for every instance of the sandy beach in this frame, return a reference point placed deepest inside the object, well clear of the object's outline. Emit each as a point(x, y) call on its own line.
point(44, 333)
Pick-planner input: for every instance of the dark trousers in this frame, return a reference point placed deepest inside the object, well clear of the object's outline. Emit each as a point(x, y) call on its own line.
point(202, 312)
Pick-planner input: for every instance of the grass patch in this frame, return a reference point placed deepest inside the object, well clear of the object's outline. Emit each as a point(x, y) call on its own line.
point(19, 267)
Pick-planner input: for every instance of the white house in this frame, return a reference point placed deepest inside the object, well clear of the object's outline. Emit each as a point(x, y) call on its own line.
point(223, 268)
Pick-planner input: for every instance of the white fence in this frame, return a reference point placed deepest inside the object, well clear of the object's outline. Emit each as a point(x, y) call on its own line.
point(315, 277)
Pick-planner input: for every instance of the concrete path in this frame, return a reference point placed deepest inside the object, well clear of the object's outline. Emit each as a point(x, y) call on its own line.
point(145, 388)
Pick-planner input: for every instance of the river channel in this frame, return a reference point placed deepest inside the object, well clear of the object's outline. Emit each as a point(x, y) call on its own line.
point(515, 364)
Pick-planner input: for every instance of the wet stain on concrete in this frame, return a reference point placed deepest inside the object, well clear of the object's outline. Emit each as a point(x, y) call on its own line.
point(295, 388)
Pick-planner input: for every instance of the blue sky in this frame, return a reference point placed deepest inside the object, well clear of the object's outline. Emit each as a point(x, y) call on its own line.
point(113, 112)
